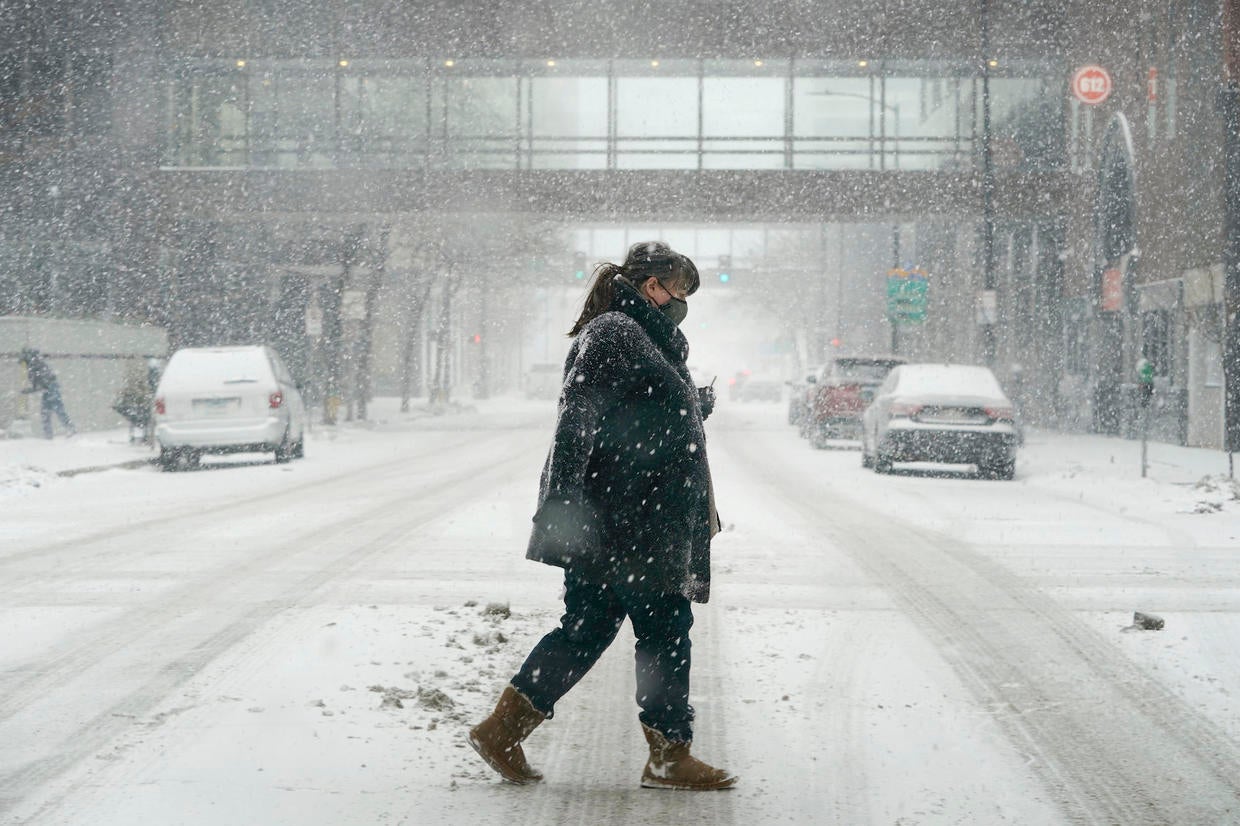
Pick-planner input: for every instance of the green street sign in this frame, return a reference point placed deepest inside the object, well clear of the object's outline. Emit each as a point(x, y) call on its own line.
point(907, 295)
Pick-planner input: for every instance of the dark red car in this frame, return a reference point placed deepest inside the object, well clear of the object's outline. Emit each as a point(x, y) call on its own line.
point(840, 393)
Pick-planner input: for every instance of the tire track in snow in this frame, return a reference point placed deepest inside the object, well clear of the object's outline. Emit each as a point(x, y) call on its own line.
point(842, 782)
point(257, 505)
point(351, 548)
point(1112, 744)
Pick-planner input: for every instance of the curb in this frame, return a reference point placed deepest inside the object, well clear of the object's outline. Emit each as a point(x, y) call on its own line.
point(130, 465)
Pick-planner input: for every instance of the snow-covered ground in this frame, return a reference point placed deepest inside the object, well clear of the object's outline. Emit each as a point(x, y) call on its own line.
point(255, 643)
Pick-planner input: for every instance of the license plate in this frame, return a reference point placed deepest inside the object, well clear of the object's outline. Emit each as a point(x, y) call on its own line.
point(216, 407)
point(953, 415)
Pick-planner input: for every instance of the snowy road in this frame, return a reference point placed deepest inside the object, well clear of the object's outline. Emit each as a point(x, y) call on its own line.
point(305, 644)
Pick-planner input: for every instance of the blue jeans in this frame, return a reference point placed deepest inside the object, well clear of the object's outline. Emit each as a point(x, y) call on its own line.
point(593, 614)
point(52, 404)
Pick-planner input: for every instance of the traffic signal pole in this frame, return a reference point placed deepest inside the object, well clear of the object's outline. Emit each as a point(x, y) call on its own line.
point(895, 265)
point(1229, 99)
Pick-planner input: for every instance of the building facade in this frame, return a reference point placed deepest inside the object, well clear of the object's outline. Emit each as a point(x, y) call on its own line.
point(313, 175)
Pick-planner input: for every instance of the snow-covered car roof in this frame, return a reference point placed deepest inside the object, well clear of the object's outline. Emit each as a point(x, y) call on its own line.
point(948, 379)
point(197, 367)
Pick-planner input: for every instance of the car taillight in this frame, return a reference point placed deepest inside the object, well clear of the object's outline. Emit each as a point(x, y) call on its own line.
point(903, 409)
point(275, 400)
point(1001, 414)
point(160, 408)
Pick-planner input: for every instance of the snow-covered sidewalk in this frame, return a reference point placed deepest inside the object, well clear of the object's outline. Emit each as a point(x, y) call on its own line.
point(29, 462)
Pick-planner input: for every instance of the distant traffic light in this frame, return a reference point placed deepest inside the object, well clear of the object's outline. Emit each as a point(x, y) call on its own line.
point(579, 266)
point(725, 269)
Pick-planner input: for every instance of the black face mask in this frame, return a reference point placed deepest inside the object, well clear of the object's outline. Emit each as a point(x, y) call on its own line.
point(676, 309)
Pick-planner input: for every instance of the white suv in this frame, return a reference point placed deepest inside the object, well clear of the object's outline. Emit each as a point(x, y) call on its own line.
point(227, 400)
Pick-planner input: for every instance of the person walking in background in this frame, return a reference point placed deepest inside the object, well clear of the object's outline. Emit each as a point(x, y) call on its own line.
point(626, 508)
point(43, 380)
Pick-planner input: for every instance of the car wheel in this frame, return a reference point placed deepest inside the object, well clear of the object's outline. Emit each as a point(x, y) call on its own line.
point(180, 458)
point(299, 447)
point(284, 451)
point(1004, 471)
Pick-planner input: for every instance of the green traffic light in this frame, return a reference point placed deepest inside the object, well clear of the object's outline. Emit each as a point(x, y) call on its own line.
point(724, 277)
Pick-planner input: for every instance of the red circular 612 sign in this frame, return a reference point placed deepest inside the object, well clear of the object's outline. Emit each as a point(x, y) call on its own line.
point(1091, 84)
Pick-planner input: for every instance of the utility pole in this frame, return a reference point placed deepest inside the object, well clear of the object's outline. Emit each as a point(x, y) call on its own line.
point(988, 190)
point(1229, 100)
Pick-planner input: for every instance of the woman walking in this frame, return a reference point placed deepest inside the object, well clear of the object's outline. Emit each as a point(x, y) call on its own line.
point(626, 508)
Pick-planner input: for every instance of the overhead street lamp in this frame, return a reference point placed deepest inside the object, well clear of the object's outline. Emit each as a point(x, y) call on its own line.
point(894, 108)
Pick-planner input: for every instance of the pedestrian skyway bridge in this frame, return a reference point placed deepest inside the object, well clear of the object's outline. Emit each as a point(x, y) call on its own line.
point(688, 139)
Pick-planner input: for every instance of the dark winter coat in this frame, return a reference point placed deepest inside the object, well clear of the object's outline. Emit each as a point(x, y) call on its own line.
point(625, 494)
point(41, 375)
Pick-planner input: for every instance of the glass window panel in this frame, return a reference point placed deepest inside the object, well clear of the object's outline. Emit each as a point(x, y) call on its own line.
point(569, 106)
point(482, 106)
point(656, 107)
point(306, 118)
point(1027, 120)
point(831, 107)
point(211, 120)
point(748, 106)
point(264, 136)
point(383, 120)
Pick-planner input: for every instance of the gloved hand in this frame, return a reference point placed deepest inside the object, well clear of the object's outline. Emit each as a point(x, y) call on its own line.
point(706, 400)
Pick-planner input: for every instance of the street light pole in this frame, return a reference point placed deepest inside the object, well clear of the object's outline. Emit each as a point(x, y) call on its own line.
point(988, 192)
point(1229, 99)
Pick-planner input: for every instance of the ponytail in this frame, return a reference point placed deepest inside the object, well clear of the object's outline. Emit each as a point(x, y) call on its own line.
point(648, 259)
point(599, 299)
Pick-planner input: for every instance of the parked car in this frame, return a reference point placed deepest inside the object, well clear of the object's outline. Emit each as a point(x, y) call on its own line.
point(840, 393)
point(542, 381)
point(952, 413)
point(746, 387)
point(227, 400)
point(798, 396)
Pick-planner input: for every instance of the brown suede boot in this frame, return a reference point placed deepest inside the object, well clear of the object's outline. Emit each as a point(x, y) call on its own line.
point(498, 737)
point(672, 767)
